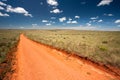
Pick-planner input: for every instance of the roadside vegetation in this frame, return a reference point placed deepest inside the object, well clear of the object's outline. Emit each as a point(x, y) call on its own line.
point(8, 40)
point(99, 46)
point(8, 44)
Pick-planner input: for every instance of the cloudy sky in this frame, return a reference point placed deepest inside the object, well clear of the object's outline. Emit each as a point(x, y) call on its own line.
point(64, 14)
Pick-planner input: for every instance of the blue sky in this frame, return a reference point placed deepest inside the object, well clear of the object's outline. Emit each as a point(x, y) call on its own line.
point(64, 14)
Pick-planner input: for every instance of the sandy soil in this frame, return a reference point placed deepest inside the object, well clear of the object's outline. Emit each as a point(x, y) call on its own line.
point(38, 62)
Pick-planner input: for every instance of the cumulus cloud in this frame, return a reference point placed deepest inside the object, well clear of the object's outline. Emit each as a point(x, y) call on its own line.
point(34, 25)
point(88, 24)
point(52, 2)
point(9, 8)
point(117, 21)
point(44, 21)
point(52, 22)
point(108, 14)
point(77, 17)
point(1, 14)
point(72, 22)
point(105, 2)
point(56, 11)
point(62, 19)
point(54, 5)
point(100, 20)
point(70, 19)
point(1, 8)
point(18, 10)
point(93, 18)
point(48, 24)
point(2, 4)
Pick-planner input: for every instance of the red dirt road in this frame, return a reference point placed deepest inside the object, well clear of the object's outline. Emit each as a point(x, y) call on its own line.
point(38, 62)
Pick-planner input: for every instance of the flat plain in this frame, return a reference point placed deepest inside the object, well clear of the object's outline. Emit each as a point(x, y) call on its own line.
point(98, 46)
point(102, 47)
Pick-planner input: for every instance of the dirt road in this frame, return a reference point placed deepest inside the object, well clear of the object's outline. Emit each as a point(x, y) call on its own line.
point(38, 62)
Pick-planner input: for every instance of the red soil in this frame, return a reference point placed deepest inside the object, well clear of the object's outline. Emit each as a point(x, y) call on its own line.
point(38, 62)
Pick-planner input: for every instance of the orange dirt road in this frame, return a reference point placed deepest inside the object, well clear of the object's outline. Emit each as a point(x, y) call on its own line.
point(38, 62)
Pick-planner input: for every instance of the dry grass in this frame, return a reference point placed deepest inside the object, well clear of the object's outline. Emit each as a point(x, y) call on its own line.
point(8, 40)
point(8, 44)
point(99, 46)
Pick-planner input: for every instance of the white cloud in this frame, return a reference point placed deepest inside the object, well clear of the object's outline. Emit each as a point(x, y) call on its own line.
point(62, 19)
point(52, 2)
point(70, 19)
point(28, 15)
point(1, 8)
point(48, 24)
point(9, 8)
point(94, 17)
point(72, 22)
point(52, 22)
point(18, 10)
point(34, 24)
point(56, 11)
point(100, 20)
point(1, 14)
point(108, 14)
point(54, 5)
point(105, 2)
point(117, 21)
point(94, 20)
point(88, 24)
point(68, 22)
point(77, 17)
point(2, 4)
point(44, 21)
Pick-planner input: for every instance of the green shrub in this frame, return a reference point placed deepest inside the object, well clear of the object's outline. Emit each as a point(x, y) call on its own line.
point(104, 42)
point(103, 48)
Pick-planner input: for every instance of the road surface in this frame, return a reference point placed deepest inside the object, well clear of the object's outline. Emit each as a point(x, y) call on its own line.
point(39, 62)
